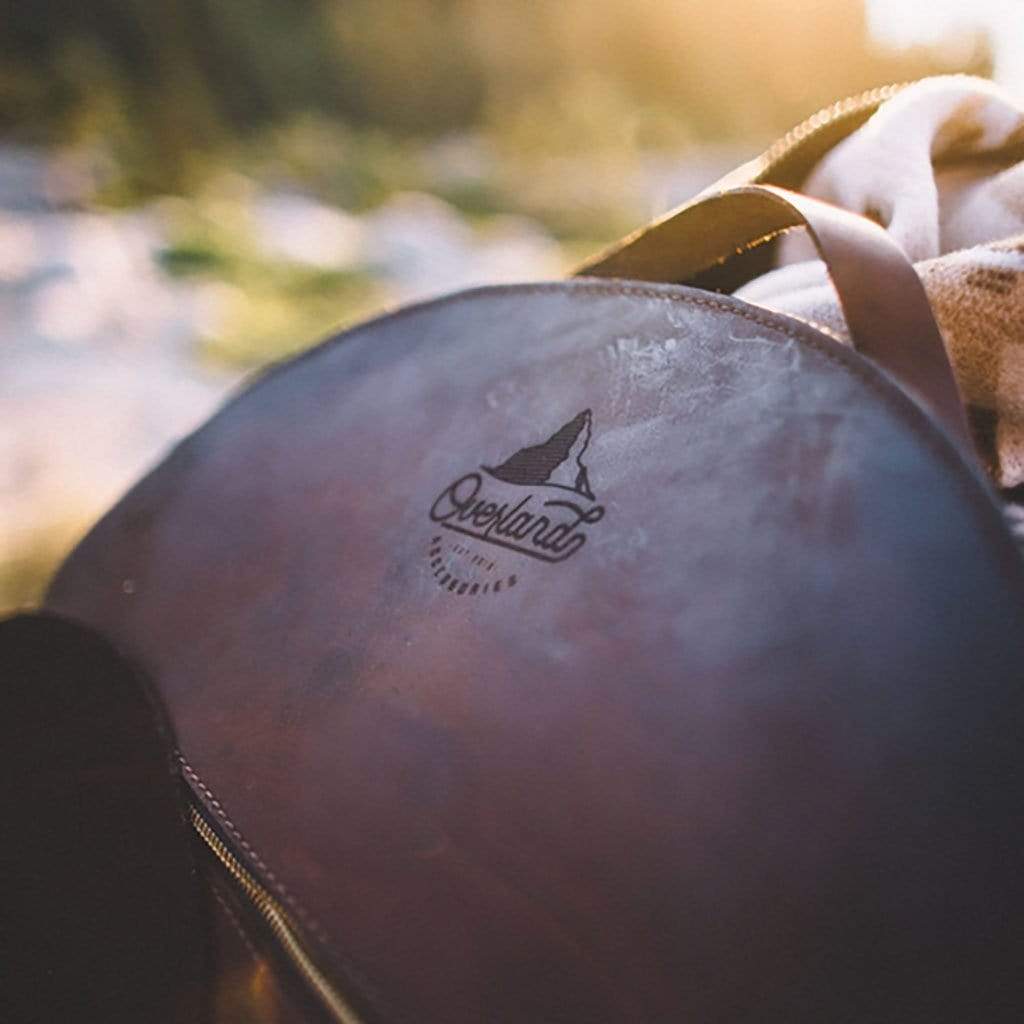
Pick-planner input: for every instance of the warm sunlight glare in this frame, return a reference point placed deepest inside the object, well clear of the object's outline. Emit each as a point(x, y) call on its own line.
point(901, 23)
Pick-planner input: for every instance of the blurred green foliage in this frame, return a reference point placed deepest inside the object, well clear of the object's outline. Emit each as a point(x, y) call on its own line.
point(267, 307)
point(168, 87)
point(25, 570)
point(573, 113)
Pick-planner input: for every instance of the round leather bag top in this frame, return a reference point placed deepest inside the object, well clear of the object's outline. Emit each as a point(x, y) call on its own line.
point(594, 652)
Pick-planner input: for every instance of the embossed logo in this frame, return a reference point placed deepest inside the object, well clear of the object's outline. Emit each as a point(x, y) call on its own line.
point(538, 503)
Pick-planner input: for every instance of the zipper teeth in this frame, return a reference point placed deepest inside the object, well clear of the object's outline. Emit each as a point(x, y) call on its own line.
point(795, 137)
point(276, 919)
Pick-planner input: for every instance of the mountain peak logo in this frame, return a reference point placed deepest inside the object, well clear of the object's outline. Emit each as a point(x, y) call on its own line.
point(539, 502)
point(557, 462)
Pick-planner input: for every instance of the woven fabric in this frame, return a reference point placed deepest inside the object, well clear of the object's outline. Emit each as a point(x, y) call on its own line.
point(931, 166)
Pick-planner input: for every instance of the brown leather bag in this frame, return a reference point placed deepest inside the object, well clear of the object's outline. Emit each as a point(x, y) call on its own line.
point(595, 651)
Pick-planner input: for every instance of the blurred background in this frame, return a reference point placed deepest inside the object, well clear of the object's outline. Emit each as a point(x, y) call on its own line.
point(192, 188)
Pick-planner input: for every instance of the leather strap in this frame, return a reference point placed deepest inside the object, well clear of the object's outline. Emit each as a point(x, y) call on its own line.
point(884, 303)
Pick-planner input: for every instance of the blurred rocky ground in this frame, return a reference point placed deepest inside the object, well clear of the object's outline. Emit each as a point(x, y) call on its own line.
point(121, 329)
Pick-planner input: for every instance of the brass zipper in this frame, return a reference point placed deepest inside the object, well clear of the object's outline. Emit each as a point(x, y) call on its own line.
point(277, 920)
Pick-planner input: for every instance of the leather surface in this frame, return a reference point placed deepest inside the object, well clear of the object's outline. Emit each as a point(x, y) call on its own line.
point(883, 301)
point(750, 752)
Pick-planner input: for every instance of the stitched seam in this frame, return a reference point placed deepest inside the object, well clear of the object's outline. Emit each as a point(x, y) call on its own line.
point(758, 242)
point(826, 330)
point(307, 919)
point(280, 888)
point(235, 922)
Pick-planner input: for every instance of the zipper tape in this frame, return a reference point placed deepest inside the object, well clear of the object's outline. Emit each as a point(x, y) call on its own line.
point(277, 919)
